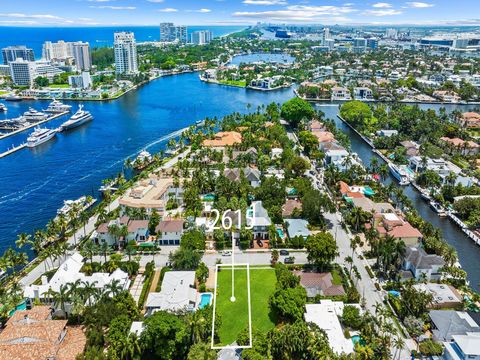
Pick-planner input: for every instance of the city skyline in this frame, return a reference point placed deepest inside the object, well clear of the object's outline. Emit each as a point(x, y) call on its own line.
point(235, 12)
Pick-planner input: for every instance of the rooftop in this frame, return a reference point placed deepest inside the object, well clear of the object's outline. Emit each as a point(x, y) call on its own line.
point(222, 139)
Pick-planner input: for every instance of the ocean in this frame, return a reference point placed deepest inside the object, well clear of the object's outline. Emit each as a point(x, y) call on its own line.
point(34, 37)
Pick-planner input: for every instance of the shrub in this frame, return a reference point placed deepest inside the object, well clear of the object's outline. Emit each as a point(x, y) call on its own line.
point(431, 348)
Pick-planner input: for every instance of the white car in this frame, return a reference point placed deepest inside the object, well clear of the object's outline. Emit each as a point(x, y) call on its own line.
point(226, 253)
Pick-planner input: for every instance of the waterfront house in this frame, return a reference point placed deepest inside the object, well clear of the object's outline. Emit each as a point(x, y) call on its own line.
point(362, 93)
point(297, 227)
point(423, 265)
point(369, 206)
point(323, 136)
point(177, 294)
point(315, 125)
point(169, 232)
point(470, 120)
point(387, 133)
point(446, 96)
point(137, 230)
point(319, 284)
point(336, 155)
point(223, 139)
point(68, 273)
point(462, 347)
point(447, 323)
point(393, 225)
point(251, 155)
point(444, 295)
point(326, 316)
point(153, 193)
point(340, 94)
point(413, 148)
point(33, 335)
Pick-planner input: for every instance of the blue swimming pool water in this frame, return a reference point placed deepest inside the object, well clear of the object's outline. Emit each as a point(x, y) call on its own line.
point(22, 306)
point(205, 300)
point(280, 233)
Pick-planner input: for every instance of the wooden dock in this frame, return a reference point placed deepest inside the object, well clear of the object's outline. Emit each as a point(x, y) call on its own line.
point(12, 150)
point(50, 118)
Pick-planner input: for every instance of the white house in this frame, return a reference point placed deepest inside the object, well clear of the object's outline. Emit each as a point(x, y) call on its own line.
point(68, 273)
point(325, 316)
point(178, 293)
point(340, 94)
point(363, 93)
point(423, 265)
point(169, 232)
point(259, 219)
point(463, 347)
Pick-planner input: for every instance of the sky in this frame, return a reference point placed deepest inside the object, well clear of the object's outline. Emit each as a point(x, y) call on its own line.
point(236, 12)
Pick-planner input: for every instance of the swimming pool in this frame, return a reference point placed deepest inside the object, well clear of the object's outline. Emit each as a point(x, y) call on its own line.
point(21, 306)
point(205, 300)
point(280, 233)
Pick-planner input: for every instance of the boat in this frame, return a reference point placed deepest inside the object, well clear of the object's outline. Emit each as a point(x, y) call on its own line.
point(13, 98)
point(40, 136)
point(77, 119)
point(425, 196)
point(142, 160)
point(33, 115)
point(438, 208)
point(3, 108)
point(58, 107)
point(399, 174)
point(81, 202)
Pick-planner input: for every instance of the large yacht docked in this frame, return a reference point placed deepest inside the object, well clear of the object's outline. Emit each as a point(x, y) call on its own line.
point(77, 119)
point(399, 174)
point(3, 108)
point(33, 115)
point(57, 107)
point(40, 136)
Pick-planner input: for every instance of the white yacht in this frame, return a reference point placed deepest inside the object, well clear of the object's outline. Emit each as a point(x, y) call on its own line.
point(40, 136)
point(33, 115)
point(77, 119)
point(399, 174)
point(3, 108)
point(58, 107)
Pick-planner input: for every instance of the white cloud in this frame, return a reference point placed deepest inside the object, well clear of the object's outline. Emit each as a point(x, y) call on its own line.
point(36, 16)
point(419, 5)
point(203, 11)
point(167, 10)
point(114, 7)
point(382, 5)
point(265, 2)
point(299, 13)
point(388, 12)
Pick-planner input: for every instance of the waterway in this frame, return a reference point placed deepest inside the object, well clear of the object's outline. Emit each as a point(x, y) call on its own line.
point(468, 252)
point(34, 183)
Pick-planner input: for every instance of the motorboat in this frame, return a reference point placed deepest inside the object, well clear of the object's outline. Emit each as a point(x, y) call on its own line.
point(33, 115)
point(77, 119)
point(40, 136)
point(58, 107)
point(399, 174)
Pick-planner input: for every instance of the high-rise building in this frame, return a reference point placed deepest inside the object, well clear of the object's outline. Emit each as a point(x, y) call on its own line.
point(82, 56)
point(372, 43)
point(391, 33)
point(169, 32)
point(201, 37)
point(12, 53)
point(23, 72)
point(125, 50)
point(61, 51)
point(83, 81)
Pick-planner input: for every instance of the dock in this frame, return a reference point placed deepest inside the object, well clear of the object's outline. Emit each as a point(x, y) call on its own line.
point(50, 118)
point(12, 150)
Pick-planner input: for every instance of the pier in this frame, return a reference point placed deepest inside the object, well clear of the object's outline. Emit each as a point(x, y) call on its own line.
point(12, 150)
point(50, 118)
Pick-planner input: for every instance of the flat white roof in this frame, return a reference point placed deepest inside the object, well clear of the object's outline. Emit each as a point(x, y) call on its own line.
point(177, 292)
point(325, 316)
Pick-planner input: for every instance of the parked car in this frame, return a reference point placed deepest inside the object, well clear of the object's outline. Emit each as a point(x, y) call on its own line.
point(284, 252)
point(226, 253)
point(289, 260)
point(260, 243)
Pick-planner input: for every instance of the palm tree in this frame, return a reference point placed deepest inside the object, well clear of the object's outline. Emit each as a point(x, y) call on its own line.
point(38, 240)
point(89, 290)
point(22, 240)
point(61, 297)
point(113, 288)
point(84, 217)
point(104, 250)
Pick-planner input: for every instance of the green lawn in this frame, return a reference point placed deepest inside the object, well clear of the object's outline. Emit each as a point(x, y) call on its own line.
point(239, 83)
point(234, 315)
point(59, 86)
point(336, 278)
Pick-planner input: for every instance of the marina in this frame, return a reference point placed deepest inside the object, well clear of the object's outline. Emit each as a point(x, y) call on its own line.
point(32, 125)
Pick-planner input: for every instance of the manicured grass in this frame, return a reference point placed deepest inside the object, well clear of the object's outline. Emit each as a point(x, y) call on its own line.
point(59, 86)
point(239, 83)
point(336, 278)
point(234, 315)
